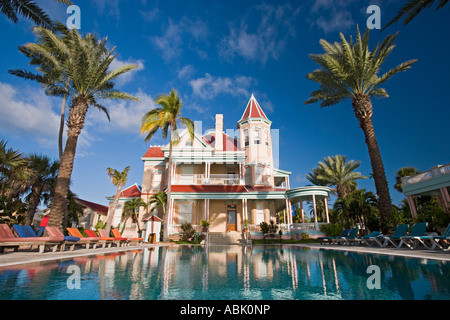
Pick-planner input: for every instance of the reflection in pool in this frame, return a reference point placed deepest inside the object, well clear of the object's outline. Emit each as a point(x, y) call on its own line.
point(228, 273)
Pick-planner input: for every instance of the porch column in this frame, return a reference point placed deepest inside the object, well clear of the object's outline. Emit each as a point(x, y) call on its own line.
point(288, 211)
point(326, 209)
point(303, 212)
point(412, 206)
point(315, 211)
point(446, 199)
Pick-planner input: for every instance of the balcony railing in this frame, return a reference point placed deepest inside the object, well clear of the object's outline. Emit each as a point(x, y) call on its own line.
point(214, 179)
point(435, 172)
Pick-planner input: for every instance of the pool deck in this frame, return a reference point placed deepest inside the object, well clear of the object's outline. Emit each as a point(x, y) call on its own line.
point(9, 258)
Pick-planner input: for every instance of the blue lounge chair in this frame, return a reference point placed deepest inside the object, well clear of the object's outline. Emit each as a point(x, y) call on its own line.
point(384, 241)
point(68, 240)
point(365, 239)
point(418, 230)
point(324, 240)
point(431, 242)
point(351, 237)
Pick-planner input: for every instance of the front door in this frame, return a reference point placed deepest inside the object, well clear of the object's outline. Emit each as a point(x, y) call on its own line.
point(231, 220)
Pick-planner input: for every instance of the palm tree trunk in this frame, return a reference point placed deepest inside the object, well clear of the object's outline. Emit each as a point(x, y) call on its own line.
point(34, 203)
point(363, 111)
point(112, 210)
point(77, 115)
point(169, 190)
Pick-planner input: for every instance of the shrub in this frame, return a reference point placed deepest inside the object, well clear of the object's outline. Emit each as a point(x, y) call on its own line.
point(188, 231)
point(332, 230)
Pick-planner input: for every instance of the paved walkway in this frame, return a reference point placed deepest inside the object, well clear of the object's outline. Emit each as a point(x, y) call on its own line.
point(9, 257)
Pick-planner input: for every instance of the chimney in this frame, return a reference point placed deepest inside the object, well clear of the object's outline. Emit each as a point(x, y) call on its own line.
point(219, 132)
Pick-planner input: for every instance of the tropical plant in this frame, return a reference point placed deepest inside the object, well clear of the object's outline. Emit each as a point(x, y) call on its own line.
point(85, 78)
point(188, 231)
point(412, 8)
point(401, 173)
point(336, 171)
point(166, 118)
point(131, 210)
point(42, 179)
point(158, 200)
point(349, 70)
point(13, 171)
point(29, 10)
point(119, 180)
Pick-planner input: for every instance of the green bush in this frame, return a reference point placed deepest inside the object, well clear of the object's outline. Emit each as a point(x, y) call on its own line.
point(332, 230)
point(188, 231)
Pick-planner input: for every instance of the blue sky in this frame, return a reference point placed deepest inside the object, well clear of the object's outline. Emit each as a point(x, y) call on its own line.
point(216, 53)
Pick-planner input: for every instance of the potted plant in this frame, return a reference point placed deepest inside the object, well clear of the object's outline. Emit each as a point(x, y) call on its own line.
point(245, 225)
point(205, 224)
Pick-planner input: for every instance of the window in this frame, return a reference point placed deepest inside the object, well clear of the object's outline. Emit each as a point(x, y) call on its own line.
point(259, 212)
point(156, 182)
point(246, 139)
point(184, 212)
point(257, 137)
point(259, 175)
point(266, 138)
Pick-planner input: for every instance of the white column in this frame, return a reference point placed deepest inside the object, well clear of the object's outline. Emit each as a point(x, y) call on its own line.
point(315, 210)
point(326, 208)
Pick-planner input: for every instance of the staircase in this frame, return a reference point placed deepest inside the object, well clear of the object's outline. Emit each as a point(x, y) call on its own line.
point(224, 238)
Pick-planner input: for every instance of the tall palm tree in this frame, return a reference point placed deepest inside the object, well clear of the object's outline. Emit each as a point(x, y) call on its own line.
point(43, 173)
point(350, 70)
point(336, 171)
point(159, 200)
point(412, 8)
point(166, 118)
point(401, 173)
point(86, 79)
point(118, 179)
point(29, 10)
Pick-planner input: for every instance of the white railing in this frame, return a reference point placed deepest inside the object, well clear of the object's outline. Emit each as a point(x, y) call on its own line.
point(214, 179)
point(290, 227)
point(176, 228)
point(434, 172)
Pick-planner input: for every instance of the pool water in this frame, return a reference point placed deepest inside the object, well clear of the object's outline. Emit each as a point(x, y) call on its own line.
point(229, 273)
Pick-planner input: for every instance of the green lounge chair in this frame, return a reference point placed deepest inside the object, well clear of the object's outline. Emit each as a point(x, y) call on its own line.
point(351, 237)
point(324, 240)
point(384, 241)
point(431, 242)
point(418, 230)
point(365, 239)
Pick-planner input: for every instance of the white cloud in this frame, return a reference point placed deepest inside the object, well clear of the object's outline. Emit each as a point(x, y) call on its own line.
point(209, 86)
point(29, 112)
point(331, 15)
point(264, 40)
point(125, 115)
point(126, 77)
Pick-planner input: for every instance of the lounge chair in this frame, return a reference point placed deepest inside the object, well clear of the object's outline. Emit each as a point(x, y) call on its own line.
point(117, 234)
point(365, 239)
point(119, 241)
point(348, 239)
point(9, 240)
point(68, 240)
point(410, 240)
point(431, 242)
point(324, 240)
point(86, 241)
point(106, 241)
point(383, 241)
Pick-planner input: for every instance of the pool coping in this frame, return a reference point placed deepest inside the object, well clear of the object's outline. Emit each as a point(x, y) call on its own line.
point(10, 258)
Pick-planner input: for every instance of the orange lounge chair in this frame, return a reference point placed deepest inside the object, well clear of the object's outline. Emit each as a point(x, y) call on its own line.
point(9, 240)
point(86, 241)
point(117, 234)
point(103, 240)
point(119, 241)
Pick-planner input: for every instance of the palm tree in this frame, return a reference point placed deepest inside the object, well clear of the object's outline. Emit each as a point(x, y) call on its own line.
point(29, 10)
point(336, 171)
point(159, 200)
point(131, 210)
point(13, 171)
point(43, 173)
point(411, 9)
point(166, 118)
point(350, 70)
point(401, 173)
point(86, 79)
point(118, 179)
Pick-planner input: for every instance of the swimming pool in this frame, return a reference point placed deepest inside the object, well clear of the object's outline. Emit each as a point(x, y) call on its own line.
point(229, 273)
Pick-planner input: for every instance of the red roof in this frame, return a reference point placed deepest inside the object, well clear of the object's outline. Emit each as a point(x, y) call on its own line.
point(229, 143)
point(154, 152)
point(154, 218)
point(131, 192)
point(94, 206)
point(253, 110)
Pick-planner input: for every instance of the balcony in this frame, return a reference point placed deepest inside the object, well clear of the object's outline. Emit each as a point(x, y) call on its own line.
point(429, 182)
point(214, 179)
